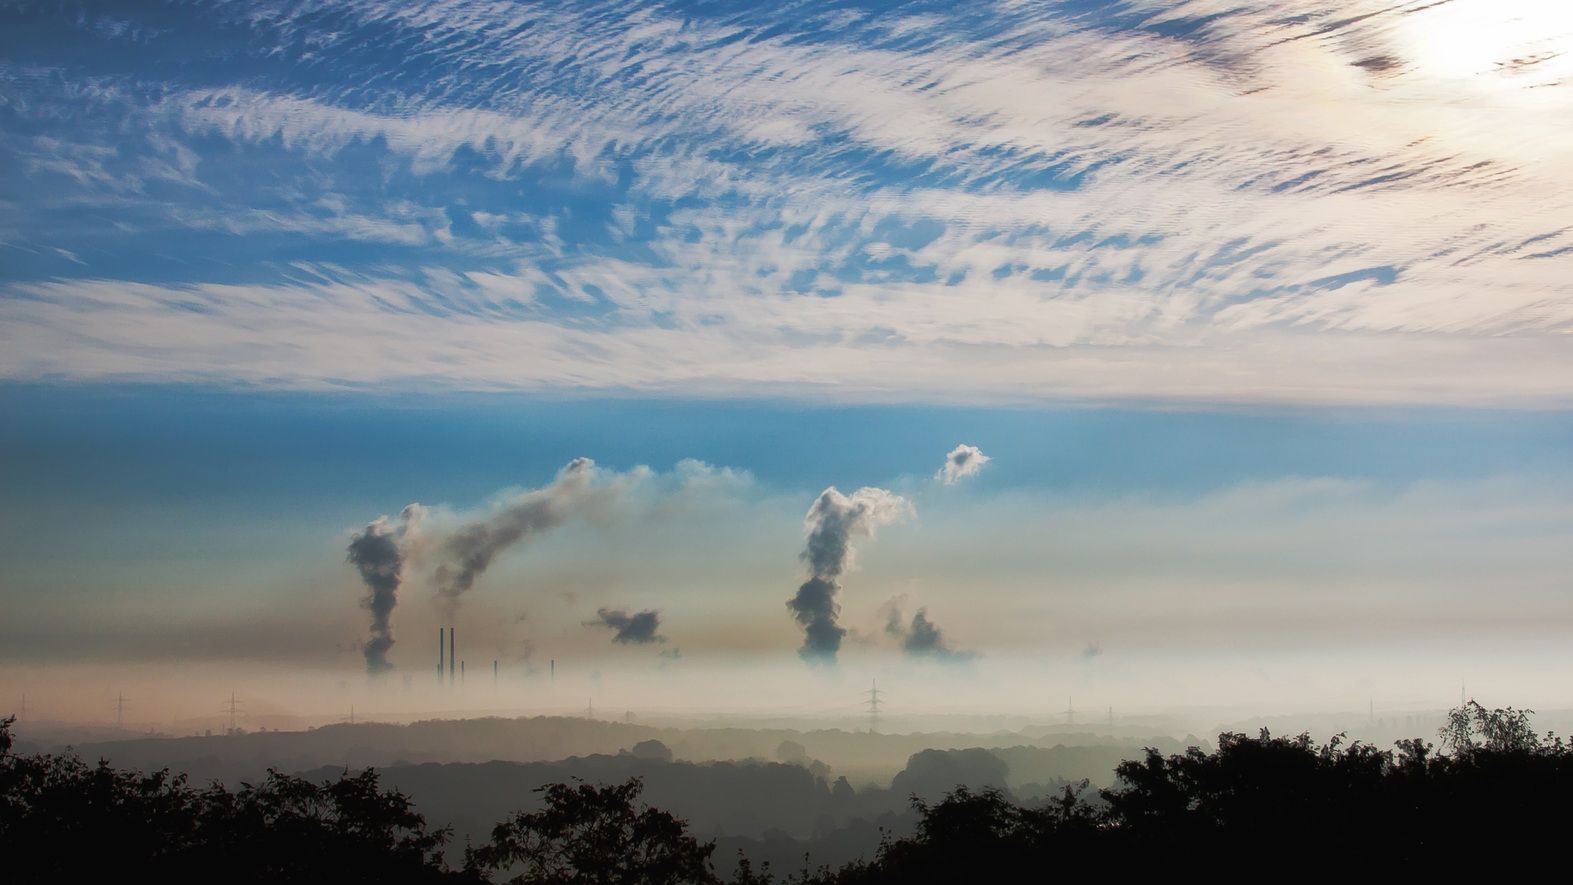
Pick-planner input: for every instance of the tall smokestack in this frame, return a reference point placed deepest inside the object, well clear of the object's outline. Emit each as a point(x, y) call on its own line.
point(441, 652)
point(452, 647)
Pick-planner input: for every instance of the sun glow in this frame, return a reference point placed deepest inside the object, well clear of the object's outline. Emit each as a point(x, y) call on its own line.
point(1493, 44)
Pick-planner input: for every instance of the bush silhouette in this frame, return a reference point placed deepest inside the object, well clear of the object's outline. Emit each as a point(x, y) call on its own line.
point(1284, 805)
point(1276, 804)
point(595, 834)
point(64, 820)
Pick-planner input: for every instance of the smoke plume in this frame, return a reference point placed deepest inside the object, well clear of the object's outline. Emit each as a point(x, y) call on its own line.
point(832, 523)
point(922, 638)
point(377, 554)
point(631, 629)
point(962, 462)
point(469, 551)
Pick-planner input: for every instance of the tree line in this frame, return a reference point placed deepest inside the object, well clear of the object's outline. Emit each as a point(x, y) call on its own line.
point(1495, 793)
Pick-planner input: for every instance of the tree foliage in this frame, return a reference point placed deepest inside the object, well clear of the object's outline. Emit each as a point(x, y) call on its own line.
point(1264, 802)
point(1284, 804)
point(595, 834)
point(1472, 728)
point(65, 820)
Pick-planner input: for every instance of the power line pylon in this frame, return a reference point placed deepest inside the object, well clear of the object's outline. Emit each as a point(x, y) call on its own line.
point(873, 707)
point(232, 708)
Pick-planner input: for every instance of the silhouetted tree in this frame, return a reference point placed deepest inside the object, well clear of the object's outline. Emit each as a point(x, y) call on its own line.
point(595, 834)
point(1276, 804)
point(1280, 805)
point(67, 821)
point(1472, 727)
point(651, 749)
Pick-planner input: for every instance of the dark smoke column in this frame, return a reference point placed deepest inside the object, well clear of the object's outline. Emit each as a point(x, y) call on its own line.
point(469, 551)
point(376, 553)
point(832, 523)
point(638, 628)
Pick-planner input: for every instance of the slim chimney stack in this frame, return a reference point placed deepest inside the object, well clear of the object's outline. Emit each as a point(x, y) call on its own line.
point(441, 651)
point(452, 646)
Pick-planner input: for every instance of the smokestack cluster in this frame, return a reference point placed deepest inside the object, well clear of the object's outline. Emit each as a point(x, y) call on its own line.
point(382, 551)
point(832, 522)
point(376, 553)
point(451, 651)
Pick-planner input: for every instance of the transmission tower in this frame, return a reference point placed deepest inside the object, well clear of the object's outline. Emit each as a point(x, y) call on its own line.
point(1070, 711)
point(120, 710)
point(232, 708)
point(873, 707)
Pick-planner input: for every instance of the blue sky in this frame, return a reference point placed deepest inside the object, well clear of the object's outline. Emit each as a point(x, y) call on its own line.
point(1015, 203)
point(1261, 305)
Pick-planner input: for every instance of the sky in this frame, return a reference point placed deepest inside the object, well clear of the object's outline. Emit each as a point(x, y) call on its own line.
point(1248, 322)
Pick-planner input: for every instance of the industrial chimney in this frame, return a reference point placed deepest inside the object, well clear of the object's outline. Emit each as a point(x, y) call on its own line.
point(440, 653)
point(452, 646)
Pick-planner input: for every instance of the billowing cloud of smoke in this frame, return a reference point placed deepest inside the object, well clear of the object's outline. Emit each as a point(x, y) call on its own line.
point(385, 553)
point(377, 554)
point(962, 462)
point(469, 551)
point(922, 638)
point(638, 628)
point(832, 523)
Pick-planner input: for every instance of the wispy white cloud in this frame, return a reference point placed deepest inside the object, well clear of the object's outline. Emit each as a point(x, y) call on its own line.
point(1158, 200)
point(962, 462)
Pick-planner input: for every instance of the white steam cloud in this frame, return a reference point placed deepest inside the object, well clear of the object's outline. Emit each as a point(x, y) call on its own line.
point(962, 462)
